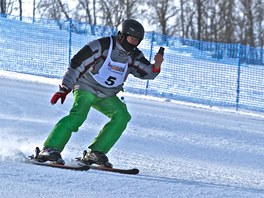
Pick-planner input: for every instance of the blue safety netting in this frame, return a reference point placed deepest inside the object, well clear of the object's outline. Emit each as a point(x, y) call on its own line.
point(216, 74)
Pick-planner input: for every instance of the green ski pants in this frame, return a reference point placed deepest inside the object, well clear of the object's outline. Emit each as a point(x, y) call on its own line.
point(112, 107)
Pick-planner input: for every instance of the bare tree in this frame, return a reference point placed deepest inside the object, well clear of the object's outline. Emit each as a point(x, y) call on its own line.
point(233, 21)
point(212, 21)
point(189, 17)
point(7, 6)
point(86, 11)
point(221, 27)
point(162, 12)
point(34, 9)
point(47, 10)
point(247, 20)
point(64, 8)
point(3, 6)
point(182, 19)
point(94, 12)
point(247, 6)
point(20, 9)
point(53, 9)
point(114, 12)
point(131, 8)
point(199, 4)
point(260, 23)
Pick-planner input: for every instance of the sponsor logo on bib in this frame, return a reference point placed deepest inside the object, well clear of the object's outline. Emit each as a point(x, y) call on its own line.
point(116, 69)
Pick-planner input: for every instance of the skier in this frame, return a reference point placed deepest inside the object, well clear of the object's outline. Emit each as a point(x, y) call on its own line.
point(96, 74)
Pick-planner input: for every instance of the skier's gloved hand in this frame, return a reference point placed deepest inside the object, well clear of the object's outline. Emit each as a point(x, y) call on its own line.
point(61, 94)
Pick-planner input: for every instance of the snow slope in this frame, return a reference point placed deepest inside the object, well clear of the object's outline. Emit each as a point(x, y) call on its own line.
point(181, 150)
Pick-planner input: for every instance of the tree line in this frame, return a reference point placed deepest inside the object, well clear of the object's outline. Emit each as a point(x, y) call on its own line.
point(232, 21)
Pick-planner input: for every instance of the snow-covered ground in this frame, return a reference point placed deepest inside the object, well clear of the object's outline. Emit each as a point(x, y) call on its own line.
point(181, 150)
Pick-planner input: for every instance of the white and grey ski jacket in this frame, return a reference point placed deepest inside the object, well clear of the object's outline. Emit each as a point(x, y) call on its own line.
point(102, 66)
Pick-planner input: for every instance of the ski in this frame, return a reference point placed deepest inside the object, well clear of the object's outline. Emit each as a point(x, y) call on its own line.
point(60, 164)
point(132, 171)
point(81, 167)
point(76, 164)
point(56, 165)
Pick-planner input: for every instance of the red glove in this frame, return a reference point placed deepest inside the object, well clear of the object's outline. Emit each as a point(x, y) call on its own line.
point(61, 94)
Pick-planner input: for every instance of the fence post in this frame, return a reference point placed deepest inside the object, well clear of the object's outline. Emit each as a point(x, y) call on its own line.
point(150, 56)
point(70, 41)
point(238, 76)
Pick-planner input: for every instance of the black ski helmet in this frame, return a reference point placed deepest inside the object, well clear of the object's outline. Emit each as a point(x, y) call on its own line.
point(130, 27)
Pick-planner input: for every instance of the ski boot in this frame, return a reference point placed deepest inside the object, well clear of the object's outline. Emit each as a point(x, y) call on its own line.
point(48, 154)
point(96, 157)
